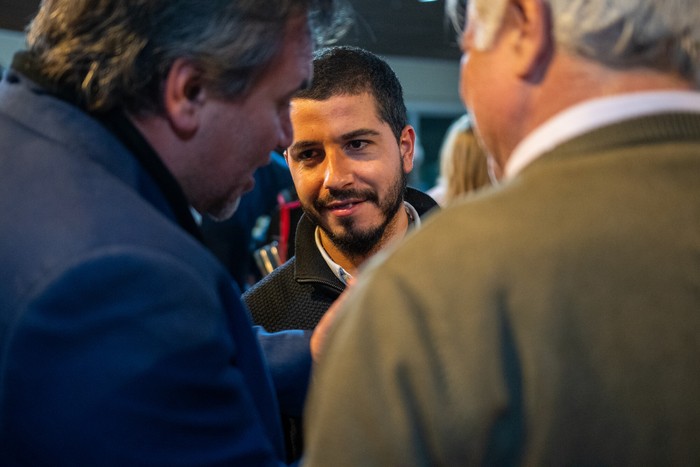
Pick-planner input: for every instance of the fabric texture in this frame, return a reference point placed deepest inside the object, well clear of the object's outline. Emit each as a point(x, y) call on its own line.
point(298, 293)
point(124, 341)
point(551, 321)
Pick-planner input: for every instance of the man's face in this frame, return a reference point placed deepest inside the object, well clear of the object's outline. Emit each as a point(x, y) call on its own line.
point(238, 136)
point(348, 169)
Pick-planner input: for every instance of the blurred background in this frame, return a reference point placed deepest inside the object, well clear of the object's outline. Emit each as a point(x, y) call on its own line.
point(412, 35)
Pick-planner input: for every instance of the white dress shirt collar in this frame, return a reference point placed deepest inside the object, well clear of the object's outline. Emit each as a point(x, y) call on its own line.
point(338, 270)
point(594, 114)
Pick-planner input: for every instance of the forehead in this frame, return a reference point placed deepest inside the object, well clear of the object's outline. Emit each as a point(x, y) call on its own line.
point(337, 114)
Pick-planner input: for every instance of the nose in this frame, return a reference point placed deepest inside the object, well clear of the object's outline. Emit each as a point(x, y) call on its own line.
point(338, 171)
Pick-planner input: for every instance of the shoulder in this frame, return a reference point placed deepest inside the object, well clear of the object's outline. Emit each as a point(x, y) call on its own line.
point(280, 278)
point(273, 295)
point(279, 301)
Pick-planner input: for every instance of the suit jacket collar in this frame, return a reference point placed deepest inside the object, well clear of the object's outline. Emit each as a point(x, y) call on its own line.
point(121, 127)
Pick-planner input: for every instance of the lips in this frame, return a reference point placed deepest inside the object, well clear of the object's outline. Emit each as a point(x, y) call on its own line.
point(344, 207)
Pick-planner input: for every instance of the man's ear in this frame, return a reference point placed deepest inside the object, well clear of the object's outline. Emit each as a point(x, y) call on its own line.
point(532, 37)
point(183, 97)
point(407, 146)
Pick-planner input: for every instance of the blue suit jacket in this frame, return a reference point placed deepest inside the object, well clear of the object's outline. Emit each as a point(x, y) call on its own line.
point(123, 341)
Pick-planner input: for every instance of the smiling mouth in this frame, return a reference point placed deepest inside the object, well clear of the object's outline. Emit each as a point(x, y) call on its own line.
point(340, 207)
point(345, 204)
point(345, 207)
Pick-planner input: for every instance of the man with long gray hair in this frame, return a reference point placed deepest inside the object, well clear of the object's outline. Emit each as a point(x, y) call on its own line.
point(124, 342)
point(554, 320)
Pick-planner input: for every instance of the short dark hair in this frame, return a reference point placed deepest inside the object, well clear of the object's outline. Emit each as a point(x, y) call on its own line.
point(346, 70)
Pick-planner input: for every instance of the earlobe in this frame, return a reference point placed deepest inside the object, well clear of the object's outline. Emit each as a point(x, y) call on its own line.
point(183, 98)
point(533, 41)
point(407, 146)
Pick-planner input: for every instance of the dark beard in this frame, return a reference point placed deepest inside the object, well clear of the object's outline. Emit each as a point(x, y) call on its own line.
point(352, 242)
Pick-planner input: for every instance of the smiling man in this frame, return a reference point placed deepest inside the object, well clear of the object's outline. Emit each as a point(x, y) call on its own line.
point(351, 154)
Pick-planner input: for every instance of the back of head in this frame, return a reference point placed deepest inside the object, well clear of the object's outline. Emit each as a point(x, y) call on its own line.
point(661, 35)
point(116, 53)
point(346, 70)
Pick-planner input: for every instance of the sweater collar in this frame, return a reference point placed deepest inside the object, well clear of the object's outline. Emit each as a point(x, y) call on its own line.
point(340, 272)
point(309, 264)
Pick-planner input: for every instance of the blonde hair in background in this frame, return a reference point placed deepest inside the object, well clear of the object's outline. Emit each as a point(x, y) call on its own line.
point(463, 162)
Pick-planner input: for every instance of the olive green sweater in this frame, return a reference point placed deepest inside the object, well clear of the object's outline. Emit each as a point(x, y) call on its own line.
point(552, 321)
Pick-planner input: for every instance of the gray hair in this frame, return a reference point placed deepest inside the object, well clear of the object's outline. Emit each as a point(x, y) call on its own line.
point(116, 53)
point(660, 34)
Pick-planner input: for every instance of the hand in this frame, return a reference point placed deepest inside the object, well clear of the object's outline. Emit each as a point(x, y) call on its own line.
point(324, 326)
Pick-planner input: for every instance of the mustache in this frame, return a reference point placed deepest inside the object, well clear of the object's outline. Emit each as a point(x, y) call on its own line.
point(335, 196)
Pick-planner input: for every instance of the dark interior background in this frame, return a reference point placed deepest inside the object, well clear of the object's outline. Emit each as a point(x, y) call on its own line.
point(388, 27)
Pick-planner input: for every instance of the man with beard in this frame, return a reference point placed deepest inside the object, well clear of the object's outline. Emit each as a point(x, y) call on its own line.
point(349, 160)
point(351, 153)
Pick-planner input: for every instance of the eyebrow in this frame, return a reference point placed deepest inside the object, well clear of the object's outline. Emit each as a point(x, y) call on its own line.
point(303, 145)
point(300, 146)
point(359, 133)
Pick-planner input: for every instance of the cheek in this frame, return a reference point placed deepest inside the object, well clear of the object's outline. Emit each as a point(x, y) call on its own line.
point(469, 83)
point(381, 177)
point(302, 185)
point(259, 129)
point(463, 80)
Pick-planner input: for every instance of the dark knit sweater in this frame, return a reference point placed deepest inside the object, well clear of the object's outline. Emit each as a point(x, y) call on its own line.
point(298, 293)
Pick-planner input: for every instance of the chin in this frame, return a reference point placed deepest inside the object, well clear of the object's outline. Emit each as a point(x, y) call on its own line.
point(226, 211)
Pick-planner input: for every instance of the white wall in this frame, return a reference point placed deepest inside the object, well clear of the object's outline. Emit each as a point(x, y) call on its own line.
point(429, 85)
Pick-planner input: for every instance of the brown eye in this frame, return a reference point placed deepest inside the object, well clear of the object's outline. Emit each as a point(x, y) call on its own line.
point(357, 144)
point(305, 155)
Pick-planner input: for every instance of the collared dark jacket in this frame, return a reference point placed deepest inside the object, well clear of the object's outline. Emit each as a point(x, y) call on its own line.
point(298, 293)
point(123, 340)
